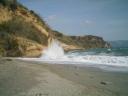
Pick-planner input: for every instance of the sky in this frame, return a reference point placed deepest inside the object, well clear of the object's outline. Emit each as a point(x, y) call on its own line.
point(105, 18)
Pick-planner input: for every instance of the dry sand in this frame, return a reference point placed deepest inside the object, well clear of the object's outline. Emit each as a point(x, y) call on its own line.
point(21, 78)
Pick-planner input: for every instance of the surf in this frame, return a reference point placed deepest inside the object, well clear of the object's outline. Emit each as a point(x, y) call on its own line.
point(53, 51)
point(104, 58)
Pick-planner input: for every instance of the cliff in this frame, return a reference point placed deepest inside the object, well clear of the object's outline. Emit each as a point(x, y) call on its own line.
point(90, 41)
point(24, 33)
point(81, 42)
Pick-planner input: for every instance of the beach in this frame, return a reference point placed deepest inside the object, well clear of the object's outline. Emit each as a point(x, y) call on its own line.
point(27, 78)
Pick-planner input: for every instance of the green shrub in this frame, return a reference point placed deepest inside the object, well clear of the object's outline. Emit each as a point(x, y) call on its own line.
point(22, 6)
point(19, 27)
point(2, 52)
point(10, 3)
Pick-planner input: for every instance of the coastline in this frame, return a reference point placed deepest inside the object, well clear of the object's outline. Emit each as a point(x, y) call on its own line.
point(24, 78)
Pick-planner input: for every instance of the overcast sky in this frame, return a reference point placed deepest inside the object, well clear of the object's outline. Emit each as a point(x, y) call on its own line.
point(105, 18)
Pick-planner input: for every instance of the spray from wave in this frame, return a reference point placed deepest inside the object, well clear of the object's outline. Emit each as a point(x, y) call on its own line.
point(53, 51)
point(54, 54)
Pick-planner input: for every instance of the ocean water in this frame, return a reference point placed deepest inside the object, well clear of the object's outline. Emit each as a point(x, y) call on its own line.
point(115, 59)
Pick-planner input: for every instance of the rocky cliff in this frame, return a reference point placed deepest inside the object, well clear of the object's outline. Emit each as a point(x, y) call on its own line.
point(24, 33)
point(90, 41)
point(81, 42)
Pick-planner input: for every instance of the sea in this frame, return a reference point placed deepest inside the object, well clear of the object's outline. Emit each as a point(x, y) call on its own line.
point(109, 59)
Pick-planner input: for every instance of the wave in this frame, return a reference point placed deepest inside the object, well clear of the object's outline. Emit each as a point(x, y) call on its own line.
point(109, 63)
point(54, 54)
point(102, 52)
point(89, 59)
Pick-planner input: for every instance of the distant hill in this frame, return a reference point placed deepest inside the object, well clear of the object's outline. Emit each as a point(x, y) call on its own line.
point(25, 33)
point(119, 44)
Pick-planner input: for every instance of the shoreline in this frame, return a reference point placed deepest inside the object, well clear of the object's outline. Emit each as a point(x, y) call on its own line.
point(28, 78)
point(103, 67)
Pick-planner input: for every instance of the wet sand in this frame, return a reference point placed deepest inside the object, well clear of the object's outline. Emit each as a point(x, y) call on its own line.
point(22, 78)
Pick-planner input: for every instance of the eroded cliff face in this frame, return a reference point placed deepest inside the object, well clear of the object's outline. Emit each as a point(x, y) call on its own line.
point(90, 41)
point(81, 42)
point(24, 33)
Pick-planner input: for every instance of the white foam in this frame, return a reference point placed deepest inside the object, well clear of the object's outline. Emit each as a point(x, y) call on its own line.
point(89, 59)
point(55, 55)
point(53, 51)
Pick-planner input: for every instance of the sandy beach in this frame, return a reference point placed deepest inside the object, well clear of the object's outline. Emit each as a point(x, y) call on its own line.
point(23, 78)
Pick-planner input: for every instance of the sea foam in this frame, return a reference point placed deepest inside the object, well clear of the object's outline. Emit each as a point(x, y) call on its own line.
point(54, 54)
